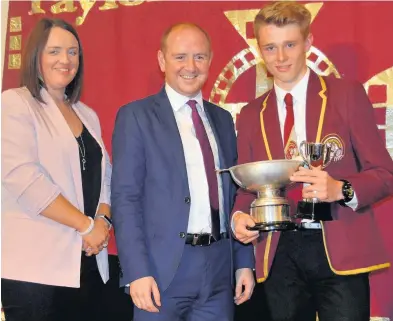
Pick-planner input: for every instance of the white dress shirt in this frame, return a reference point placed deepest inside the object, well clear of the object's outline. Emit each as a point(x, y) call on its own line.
point(200, 216)
point(299, 94)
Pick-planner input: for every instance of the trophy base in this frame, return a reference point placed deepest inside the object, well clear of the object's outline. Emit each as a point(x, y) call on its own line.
point(313, 211)
point(273, 226)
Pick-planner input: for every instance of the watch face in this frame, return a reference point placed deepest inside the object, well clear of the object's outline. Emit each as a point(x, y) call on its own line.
point(348, 191)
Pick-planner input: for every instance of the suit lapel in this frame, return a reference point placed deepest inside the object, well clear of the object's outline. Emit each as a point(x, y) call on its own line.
point(170, 132)
point(313, 107)
point(272, 127)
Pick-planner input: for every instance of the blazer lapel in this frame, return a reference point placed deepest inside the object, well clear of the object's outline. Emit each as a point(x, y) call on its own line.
point(272, 127)
point(98, 139)
point(67, 139)
point(87, 125)
point(170, 132)
point(313, 107)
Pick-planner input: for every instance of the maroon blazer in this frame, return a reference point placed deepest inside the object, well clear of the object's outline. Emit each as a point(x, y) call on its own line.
point(344, 115)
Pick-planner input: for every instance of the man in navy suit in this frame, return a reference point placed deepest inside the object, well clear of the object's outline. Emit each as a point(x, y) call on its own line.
point(170, 207)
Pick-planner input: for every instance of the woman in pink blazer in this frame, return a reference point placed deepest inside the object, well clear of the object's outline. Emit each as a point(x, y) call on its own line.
point(55, 188)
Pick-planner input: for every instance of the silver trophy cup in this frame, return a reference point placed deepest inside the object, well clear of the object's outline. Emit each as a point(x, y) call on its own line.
point(268, 179)
point(314, 155)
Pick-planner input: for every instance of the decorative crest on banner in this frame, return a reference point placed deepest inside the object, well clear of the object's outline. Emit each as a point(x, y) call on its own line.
point(242, 21)
point(380, 90)
point(15, 43)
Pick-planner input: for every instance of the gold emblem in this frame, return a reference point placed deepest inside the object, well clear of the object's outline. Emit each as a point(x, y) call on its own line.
point(15, 43)
point(337, 147)
point(14, 61)
point(16, 24)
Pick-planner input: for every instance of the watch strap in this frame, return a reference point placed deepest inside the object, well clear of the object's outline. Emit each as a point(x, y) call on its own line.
point(106, 219)
point(347, 192)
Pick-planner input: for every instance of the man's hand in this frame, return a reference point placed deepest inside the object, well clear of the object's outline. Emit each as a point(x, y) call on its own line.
point(143, 291)
point(245, 283)
point(322, 185)
point(240, 223)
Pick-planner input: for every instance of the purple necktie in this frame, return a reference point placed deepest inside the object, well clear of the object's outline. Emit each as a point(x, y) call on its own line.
point(208, 160)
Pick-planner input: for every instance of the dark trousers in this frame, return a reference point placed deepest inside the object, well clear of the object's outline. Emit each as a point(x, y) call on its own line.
point(301, 284)
point(201, 289)
point(93, 301)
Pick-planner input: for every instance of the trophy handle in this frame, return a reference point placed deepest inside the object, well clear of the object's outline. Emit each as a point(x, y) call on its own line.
point(233, 176)
point(237, 181)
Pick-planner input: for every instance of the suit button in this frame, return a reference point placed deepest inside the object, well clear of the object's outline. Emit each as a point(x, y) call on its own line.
point(182, 235)
point(187, 200)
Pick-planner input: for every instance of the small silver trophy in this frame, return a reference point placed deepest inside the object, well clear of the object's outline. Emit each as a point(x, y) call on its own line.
point(314, 155)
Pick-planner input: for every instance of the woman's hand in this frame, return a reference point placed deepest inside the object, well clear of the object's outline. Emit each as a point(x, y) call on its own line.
point(97, 239)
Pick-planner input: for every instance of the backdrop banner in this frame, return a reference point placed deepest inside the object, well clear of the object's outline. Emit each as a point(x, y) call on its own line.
point(120, 41)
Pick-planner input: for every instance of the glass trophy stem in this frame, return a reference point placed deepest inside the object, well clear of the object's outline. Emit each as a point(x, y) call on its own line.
point(313, 209)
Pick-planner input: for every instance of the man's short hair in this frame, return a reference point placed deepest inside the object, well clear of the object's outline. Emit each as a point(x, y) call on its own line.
point(179, 26)
point(283, 13)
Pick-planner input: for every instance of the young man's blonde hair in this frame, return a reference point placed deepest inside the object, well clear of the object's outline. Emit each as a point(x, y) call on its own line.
point(283, 13)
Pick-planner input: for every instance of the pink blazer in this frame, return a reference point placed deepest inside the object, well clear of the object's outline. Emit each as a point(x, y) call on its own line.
point(40, 160)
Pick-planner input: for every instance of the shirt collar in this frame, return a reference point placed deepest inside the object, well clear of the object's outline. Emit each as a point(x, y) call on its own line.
point(299, 92)
point(178, 100)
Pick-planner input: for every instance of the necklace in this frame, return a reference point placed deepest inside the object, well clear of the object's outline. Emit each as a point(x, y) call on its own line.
point(82, 151)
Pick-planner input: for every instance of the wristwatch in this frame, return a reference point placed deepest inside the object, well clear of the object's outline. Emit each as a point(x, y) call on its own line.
point(106, 219)
point(347, 192)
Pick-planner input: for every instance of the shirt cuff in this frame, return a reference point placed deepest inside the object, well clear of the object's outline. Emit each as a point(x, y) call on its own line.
point(353, 203)
point(232, 222)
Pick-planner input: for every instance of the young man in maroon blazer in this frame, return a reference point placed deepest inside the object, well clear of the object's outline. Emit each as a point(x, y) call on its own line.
point(323, 269)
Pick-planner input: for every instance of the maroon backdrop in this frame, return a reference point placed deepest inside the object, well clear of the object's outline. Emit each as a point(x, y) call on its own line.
point(120, 41)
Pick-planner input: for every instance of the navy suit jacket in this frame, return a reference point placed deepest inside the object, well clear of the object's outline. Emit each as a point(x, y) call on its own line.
point(150, 193)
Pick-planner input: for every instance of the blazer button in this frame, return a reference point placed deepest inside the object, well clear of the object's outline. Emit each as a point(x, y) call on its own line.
point(187, 200)
point(182, 235)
